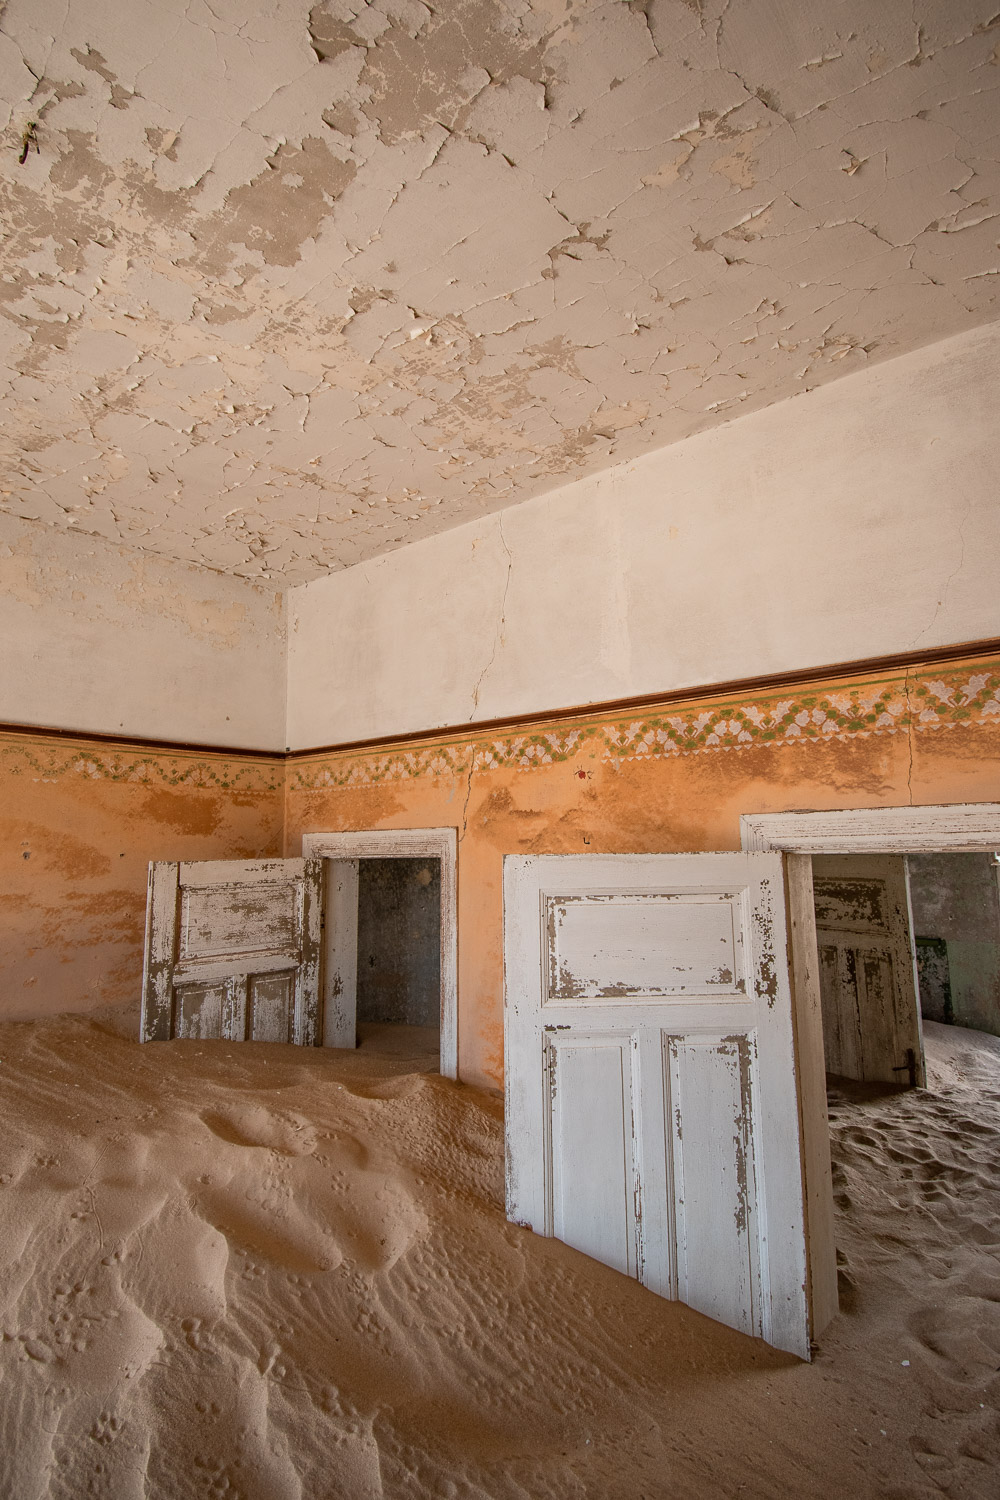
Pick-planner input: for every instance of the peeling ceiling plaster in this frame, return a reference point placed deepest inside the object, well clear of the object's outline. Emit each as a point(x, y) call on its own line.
point(285, 286)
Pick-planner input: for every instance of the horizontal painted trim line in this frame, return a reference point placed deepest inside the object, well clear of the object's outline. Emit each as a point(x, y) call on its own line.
point(650, 702)
point(931, 690)
point(54, 758)
point(137, 742)
point(904, 702)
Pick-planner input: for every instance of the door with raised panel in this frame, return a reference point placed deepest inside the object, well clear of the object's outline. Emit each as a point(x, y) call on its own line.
point(233, 950)
point(651, 1101)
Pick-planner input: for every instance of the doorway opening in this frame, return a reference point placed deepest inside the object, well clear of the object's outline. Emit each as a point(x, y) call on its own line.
point(905, 832)
point(399, 957)
point(390, 893)
point(904, 939)
point(955, 901)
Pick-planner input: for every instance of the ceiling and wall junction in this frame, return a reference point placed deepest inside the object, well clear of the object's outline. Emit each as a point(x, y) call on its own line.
point(287, 286)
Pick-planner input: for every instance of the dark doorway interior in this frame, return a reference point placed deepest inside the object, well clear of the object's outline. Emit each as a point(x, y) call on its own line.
point(399, 942)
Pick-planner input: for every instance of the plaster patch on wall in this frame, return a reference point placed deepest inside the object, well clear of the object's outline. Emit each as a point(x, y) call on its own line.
point(147, 587)
point(289, 290)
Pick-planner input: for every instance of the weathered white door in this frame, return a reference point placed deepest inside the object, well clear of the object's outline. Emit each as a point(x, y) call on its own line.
point(340, 955)
point(651, 1104)
point(233, 950)
point(871, 1014)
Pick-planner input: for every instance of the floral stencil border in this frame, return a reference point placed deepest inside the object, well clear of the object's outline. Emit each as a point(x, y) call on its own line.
point(45, 760)
point(910, 702)
point(914, 702)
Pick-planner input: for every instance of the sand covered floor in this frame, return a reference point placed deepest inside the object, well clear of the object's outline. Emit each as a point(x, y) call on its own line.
point(259, 1272)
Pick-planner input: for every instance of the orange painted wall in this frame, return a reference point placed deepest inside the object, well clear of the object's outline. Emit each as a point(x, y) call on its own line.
point(79, 822)
point(665, 779)
point(661, 779)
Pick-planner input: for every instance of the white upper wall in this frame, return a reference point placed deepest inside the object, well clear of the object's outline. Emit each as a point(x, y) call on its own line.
point(854, 521)
point(105, 639)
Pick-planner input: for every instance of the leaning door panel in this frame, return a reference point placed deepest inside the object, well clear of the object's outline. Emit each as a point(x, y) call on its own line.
point(590, 1154)
point(652, 1115)
point(233, 950)
point(711, 1107)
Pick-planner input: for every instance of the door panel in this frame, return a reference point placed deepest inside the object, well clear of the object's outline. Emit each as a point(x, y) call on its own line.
point(215, 921)
point(650, 1076)
point(340, 970)
point(871, 1015)
point(603, 946)
point(591, 1146)
point(710, 1112)
point(271, 1005)
point(233, 950)
point(199, 1010)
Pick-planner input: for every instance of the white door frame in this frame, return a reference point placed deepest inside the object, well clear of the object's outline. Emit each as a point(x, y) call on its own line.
point(958, 827)
point(413, 843)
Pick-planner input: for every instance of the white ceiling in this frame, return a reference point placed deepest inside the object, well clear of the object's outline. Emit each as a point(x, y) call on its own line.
point(286, 286)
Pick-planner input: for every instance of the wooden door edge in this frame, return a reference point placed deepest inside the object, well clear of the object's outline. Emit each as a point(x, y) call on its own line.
point(810, 1083)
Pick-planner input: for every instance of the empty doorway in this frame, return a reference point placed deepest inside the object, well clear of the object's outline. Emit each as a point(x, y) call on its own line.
point(956, 931)
point(390, 894)
point(900, 831)
point(399, 956)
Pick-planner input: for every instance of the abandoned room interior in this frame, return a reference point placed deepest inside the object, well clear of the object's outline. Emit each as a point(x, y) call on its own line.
point(500, 721)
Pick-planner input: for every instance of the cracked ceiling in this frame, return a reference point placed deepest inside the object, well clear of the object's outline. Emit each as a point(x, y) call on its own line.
point(285, 286)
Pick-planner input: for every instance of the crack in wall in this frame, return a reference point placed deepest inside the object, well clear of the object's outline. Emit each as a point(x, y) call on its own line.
point(498, 637)
point(956, 570)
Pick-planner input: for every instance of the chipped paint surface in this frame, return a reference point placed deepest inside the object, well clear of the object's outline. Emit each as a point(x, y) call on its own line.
point(232, 950)
point(657, 1133)
point(288, 288)
point(766, 982)
point(870, 1006)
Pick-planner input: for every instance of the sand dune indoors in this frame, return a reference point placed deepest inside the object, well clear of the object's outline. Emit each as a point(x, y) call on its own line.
point(269, 1273)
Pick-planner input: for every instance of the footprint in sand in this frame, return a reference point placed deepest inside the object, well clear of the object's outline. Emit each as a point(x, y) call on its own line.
point(964, 1336)
point(291, 1241)
point(854, 1135)
point(253, 1125)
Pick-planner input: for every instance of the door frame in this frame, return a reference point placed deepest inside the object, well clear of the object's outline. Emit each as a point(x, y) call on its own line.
point(972, 827)
point(960, 827)
point(413, 843)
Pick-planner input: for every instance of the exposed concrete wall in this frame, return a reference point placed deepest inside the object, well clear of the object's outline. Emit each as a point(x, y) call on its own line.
point(103, 639)
point(854, 521)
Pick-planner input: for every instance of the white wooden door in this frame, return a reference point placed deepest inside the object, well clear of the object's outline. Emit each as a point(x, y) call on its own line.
point(340, 955)
point(871, 1013)
point(233, 950)
point(651, 1105)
